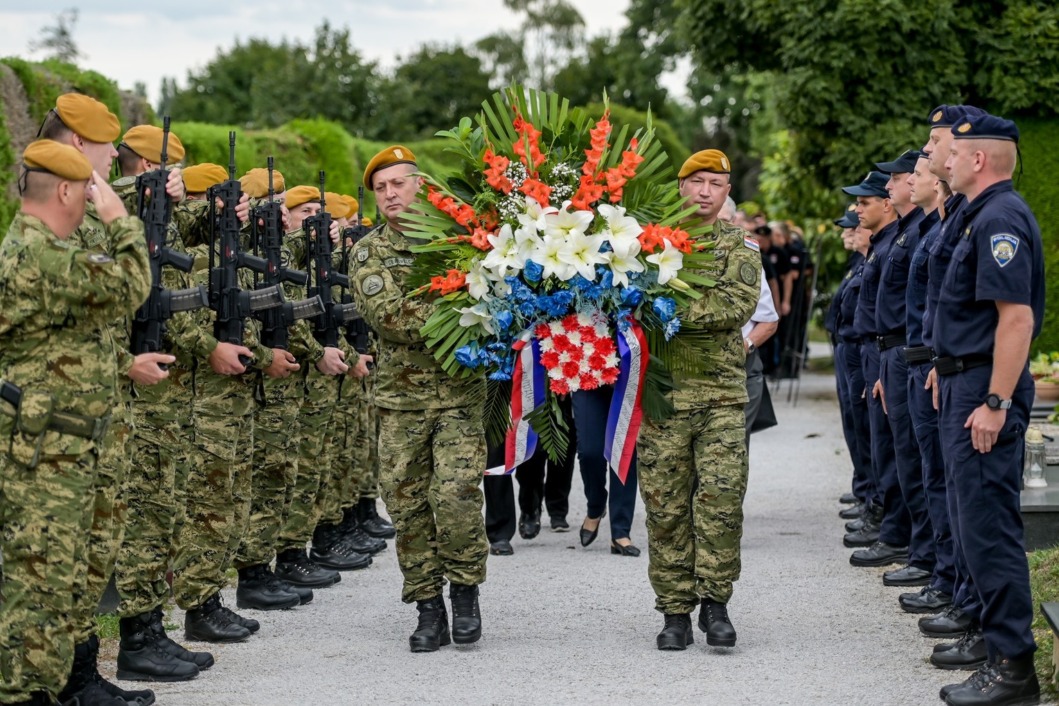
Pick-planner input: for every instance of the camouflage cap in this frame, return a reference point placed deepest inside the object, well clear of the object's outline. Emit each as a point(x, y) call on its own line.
point(714, 161)
point(146, 141)
point(298, 195)
point(255, 182)
point(87, 117)
point(395, 154)
point(61, 160)
point(200, 177)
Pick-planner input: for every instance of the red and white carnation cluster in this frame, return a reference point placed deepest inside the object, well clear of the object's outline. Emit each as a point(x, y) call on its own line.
point(578, 352)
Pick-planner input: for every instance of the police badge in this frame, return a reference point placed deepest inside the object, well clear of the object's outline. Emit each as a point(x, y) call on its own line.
point(1005, 246)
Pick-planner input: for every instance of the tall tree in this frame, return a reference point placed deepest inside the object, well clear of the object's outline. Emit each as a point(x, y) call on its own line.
point(58, 39)
point(549, 36)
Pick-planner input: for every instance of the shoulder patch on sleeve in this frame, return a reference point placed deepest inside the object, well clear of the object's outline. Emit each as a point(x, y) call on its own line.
point(362, 254)
point(751, 243)
point(99, 258)
point(372, 285)
point(748, 273)
point(1005, 246)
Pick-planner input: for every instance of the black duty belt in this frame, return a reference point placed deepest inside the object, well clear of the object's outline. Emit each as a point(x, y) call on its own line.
point(63, 422)
point(918, 355)
point(891, 340)
point(947, 365)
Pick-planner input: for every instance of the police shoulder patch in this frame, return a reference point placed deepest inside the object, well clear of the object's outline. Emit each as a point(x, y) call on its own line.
point(372, 285)
point(99, 258)
point(1004, 246)
point(748, 273)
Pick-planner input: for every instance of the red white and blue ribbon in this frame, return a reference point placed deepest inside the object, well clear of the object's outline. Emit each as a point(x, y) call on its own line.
point(527, 393)
point(626, 411)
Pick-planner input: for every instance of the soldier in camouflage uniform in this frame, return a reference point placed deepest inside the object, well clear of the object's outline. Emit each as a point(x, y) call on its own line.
point(431, 436)
point(693, 465)
point(59, 376)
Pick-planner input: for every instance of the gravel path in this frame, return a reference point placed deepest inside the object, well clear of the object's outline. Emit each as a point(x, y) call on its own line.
point(563, 624)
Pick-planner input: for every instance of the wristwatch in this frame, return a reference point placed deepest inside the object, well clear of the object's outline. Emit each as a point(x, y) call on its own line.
point(993, 401)
point(750, 347)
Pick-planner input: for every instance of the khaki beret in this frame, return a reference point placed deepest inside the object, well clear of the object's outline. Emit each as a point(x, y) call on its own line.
point(390, 156)
point(255, 182)
point(336, 206)
point(365, 221)
point(146, 141)
point(706, 161)
point(353, 204)
point(301, 194)
point(88, 117)
point(61, 160)
point(200, 177)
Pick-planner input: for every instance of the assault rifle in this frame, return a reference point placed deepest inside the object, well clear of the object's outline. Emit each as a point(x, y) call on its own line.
point(358, 333)
point(318, 255)
point(155, 210)
point(267, 237)
point(232, 304)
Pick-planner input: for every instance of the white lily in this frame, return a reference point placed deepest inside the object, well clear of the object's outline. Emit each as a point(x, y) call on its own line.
point(624, 243)
point(549, 255)
point(669, 262)
point(476, 315)
point(565, 222)
point(621, 265)
point(582, 253)
point(620, 225)
point(504, 252)
point(478, 281)
point(526, 243)
point(534, 215)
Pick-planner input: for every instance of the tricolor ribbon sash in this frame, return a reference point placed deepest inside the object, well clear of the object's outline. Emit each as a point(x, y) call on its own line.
point(626, 412)
point(527, 393)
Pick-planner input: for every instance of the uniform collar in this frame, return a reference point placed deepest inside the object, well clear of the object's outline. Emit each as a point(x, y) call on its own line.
point(987, 195)
point(887, 230)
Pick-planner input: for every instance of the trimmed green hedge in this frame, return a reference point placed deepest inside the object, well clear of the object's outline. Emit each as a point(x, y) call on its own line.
point(7, 158)
point(1040, 151)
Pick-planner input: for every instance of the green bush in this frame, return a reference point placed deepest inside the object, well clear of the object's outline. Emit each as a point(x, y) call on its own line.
point(1040, 151)
point(7, 174)
point(45, 81)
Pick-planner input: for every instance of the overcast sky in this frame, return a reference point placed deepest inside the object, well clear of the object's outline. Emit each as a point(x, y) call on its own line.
point(143, 42)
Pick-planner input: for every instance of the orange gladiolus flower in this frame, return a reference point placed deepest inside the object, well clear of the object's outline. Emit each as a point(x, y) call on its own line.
point(651, 238)
point(451, 282)
point(480, 239)
point(495, 175)
point(537, 190)
point(588, 192)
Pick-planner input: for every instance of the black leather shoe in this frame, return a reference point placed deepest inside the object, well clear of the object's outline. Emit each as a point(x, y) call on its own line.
point(501, 547)
point(866, 536)
point(1005, 681)
point(713, 620)
point(331, 551)
point(907, 576)
point(371, 522)
point(677, 633)
point(305, 595)
point(855, 525)
point(294, 567)
point(142, 658)
point(559, 524)
point(209, 623)
point(848, 499)
point(529, 524)
point(853, 512)
point(879, 554)
point(951, 623)
point(432, 632)
point(352, 531)
point(248, 623)
point(466, 615)
point(87, 687)
point(624, 549)
point(91, 694)
point(589, 536)
point(969, 652)
point(202, 660)
point(259, 589)
point(930, 600)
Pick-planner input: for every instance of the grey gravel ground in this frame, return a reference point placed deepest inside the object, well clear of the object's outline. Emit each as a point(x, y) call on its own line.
point(563, 624)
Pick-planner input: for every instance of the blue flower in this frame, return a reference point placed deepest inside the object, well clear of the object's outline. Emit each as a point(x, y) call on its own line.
point(532, 272)
point(665, 308)
point(506, 369)
point(529, 310)
point(503, 320)
point(589, 290)
point(623, 319)
point(631, 297)
point(469, 356)
point(606, 278)
point(671, 328)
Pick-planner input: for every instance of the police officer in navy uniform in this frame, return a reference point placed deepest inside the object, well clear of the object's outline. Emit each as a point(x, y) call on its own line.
point(990, 308)
point(891, 326)
point(876, 213)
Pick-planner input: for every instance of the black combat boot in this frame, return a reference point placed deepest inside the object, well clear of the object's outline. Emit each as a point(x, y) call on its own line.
point(677, 633)
point(305, 595)
point(433, 629)
point(211, 623)
point(142, 658)
point(202, 660)
point(969, 652)
point(259, 589)
point(294, 567)
point(713, 620)
point(331, 550)
point(248, 623)
point(39, 698)
point(466, 617)
point(371, 522)
point(356, 536)
point(82, 687)
point(1004, 681)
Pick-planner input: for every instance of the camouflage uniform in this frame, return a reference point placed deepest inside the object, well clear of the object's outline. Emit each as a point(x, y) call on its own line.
point(431, 438)
point(693, 539)
point(56, 302)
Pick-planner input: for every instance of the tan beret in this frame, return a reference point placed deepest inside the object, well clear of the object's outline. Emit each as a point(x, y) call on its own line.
point(255, 182)
point(336, 206)
point(365, 221)
point(146, 141)
point(88, 117)
point(301, 194)
point(200, 177)
point(353, 204)
point(706, 161)
point(61, 160)
point(395, 154)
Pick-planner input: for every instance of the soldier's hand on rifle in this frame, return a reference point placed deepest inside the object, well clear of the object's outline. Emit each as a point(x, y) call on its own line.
point(145, 368)
point(333, 362)
point(283, 364)
point(242, 211)
point(360, 370)
point(225, 359)
point(285, 217)
point(174, 185)
point(336, 233)
point(107, 203)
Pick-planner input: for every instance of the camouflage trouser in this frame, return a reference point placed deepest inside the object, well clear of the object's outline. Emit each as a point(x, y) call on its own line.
point(693, 473)
point(161, 451)
point(45, 515)
point(108, 519)
point(431, 463)
point(275, 468)
point(218, 504)
point(365, 446)
point(314, 417)
point(342, 490)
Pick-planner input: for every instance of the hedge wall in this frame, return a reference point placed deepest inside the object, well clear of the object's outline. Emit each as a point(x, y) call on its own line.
point(1040, 161)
